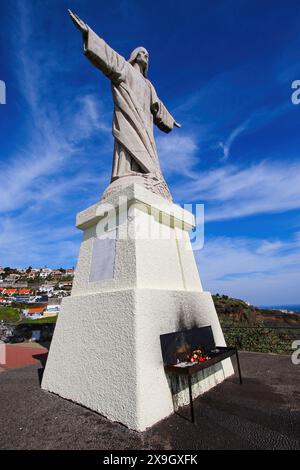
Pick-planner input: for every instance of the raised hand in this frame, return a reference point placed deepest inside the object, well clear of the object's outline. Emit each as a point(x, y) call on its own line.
point(78, 22)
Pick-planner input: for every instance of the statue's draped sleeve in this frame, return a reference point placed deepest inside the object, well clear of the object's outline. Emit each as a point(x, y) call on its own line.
point(161, 116)
point(104, 57)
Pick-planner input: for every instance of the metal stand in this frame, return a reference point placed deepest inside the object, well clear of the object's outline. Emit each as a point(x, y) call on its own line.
point(191, 398)
point(225, 352)
point(238, 364)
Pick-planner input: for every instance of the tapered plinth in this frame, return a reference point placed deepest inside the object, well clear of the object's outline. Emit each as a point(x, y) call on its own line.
point(136, 279)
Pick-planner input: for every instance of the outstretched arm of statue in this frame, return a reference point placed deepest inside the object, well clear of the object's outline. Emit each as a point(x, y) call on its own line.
point(162, 118)
point(99, 52)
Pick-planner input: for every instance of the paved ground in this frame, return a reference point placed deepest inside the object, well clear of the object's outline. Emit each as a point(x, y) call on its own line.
point(264, 413)
point(22, 354)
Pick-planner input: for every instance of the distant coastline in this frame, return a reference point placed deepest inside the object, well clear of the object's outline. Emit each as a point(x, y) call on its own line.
point(288, 308)
point(237, 310)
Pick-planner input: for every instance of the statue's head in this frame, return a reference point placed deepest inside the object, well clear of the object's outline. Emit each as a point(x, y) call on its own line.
point(141, 56)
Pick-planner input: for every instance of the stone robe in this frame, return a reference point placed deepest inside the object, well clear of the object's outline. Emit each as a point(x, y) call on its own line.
point(136, 108)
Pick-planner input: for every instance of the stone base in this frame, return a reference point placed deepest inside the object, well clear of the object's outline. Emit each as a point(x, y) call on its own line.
point(136, 278)
point(106, 352)
point(154, 183)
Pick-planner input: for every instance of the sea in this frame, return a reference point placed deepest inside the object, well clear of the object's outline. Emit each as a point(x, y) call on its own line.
point(290, 308)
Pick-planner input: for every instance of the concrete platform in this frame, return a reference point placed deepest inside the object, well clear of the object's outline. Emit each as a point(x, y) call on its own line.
point(264, 413)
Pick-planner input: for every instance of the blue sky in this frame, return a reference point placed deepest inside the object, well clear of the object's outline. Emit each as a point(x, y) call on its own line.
point(224, 69)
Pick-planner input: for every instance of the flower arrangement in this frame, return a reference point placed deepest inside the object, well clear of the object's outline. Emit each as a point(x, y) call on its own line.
point(197, 356)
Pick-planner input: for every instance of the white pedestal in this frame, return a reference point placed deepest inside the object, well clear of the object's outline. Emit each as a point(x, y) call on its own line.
point(105, 353)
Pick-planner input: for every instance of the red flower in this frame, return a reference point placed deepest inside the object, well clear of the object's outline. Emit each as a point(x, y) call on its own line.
point(197, 356)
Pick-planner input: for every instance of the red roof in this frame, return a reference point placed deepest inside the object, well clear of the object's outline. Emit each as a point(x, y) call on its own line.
point(36, 309)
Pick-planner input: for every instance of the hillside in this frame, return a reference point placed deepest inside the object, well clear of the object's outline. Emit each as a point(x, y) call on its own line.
point(253, 329)
point(237, 310)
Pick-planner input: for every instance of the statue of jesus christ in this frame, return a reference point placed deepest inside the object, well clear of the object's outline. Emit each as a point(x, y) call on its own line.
point(136, 107)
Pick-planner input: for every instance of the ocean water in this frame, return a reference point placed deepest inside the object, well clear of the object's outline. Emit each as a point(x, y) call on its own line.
point(294, 308)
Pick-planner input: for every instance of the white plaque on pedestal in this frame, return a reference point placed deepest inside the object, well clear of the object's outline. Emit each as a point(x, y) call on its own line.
point(103, 259)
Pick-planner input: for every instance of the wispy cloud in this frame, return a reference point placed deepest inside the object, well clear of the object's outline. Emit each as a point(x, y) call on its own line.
point(253, 269)
point(23, 242)
point(41, 177)
point(232, 191)
point(89, 118)
point(177, 153)
point(226, 146)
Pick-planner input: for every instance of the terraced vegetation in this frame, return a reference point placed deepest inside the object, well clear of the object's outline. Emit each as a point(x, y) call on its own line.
point(252, 329)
